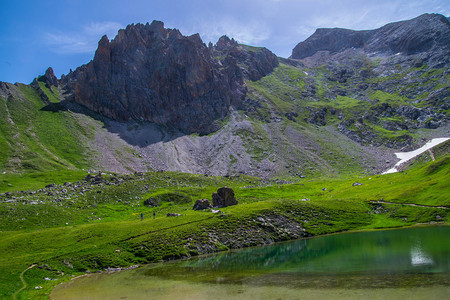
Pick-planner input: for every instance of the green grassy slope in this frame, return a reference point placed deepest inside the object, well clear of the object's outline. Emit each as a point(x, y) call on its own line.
point(37, 140)
point(67, 235)
point(365, 103)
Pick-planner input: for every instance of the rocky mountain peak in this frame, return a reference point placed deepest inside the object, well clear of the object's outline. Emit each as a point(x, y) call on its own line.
point(428, 33)
point(225, 43)
point(329, 39)
point(424, 33)
point(103, 52)
point(150, 73)
point(50, 77)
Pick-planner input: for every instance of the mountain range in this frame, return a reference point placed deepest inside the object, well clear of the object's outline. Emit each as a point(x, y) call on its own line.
point(153, 99)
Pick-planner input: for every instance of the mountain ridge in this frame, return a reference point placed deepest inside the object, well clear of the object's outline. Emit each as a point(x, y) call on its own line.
point(326, 114)
point(423, 33)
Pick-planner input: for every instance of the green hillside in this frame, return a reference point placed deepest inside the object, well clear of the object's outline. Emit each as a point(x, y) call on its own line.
point(361, 105)
point(89, 225)
point(36, 139)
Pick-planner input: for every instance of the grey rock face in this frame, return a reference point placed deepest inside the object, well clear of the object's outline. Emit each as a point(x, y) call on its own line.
point(149, 73)
point(330, 39)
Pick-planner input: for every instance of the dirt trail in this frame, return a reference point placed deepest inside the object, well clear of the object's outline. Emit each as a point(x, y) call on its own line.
point(409, 204)
point(23, 281)
point(166, 228)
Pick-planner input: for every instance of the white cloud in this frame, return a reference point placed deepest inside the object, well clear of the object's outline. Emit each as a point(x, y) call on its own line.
point(250, 32)
point(83, 41)
point(101, 28)
point(65, 43)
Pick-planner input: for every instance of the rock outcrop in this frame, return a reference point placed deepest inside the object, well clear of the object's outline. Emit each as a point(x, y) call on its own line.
point(151, 202)
point(50, 81)
point(149, 73)
point(253, 62)
point(224, 197)
point(49, 78)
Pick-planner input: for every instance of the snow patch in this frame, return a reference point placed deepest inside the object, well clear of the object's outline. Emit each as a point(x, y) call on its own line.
point(405, 156)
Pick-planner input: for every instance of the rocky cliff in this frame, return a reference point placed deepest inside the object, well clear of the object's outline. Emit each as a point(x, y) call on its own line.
point(149, 73)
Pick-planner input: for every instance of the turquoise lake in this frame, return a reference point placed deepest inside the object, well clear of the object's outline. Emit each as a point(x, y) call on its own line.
point(388, 264)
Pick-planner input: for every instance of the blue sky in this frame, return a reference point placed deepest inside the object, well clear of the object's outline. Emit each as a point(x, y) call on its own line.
point(63, 34)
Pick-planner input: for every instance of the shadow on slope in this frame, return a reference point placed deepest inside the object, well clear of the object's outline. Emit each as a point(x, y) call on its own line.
point(140, 134)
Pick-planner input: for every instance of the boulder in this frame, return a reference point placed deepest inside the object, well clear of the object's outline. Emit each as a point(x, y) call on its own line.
point(202, 204)
point(151, 202)
point(224, 197)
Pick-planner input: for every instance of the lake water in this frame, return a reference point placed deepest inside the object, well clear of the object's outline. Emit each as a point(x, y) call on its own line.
point(391, 264)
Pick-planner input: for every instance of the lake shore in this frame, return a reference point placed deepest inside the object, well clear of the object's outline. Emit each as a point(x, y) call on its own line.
point(291, 268)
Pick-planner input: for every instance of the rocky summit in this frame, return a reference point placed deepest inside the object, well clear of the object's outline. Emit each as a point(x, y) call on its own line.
point(427, 37)
point(149, 73)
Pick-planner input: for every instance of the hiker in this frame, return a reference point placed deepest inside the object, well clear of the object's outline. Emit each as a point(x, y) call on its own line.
point(142, 216)
point(154, 215)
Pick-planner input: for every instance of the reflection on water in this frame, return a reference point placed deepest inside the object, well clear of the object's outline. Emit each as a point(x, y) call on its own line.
point(402, 263)
point(365, 252)
point(420, 257)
